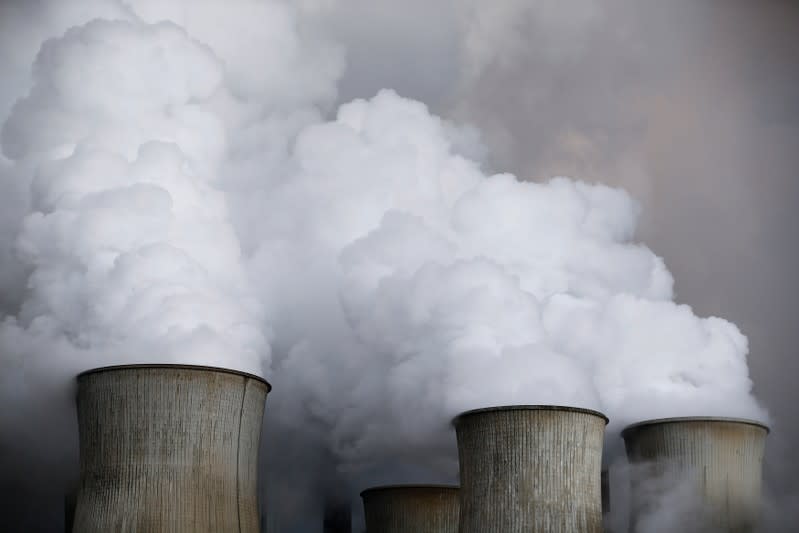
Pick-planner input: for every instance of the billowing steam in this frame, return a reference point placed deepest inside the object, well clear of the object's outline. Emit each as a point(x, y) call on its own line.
point(184, 201)
point(430, 288)
point(131, 253)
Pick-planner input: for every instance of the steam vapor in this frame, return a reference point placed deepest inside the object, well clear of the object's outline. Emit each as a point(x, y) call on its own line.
point(175, 194)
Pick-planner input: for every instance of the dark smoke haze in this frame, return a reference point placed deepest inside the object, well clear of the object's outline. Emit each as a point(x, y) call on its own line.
point(691, 106)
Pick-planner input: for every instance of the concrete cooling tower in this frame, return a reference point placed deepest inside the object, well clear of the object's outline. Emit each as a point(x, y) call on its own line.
point(168, 448)
point(411, 509)
point(715, 462)
point(530, 469)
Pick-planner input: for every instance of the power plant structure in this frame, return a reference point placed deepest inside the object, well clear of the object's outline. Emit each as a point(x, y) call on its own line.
point(175, 448)
point(530, 469)
point(717, 461)
point(168, 448)
point(411, 509)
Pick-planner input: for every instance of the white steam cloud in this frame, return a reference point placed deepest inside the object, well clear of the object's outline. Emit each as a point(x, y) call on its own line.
point(131, 253)
point(428, 288)
point(184, 201)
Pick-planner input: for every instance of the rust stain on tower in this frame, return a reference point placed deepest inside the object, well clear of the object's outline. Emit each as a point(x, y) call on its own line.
point(168, 448)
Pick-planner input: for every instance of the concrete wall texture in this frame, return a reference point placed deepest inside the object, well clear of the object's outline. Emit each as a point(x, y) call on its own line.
point(411, 509)
point(716, 462)
point(168, 448)
point(530, 469)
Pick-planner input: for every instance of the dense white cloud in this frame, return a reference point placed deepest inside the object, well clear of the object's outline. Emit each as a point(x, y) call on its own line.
point(129, 246)
point(444, 289)
point(179, 197)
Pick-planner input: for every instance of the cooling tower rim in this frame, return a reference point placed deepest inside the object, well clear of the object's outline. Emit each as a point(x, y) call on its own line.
point(483, 410)
point(402, 486)
point(680, 419)
point(203, 368)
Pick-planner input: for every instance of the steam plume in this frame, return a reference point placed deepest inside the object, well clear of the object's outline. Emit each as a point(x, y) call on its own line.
point(179, 196)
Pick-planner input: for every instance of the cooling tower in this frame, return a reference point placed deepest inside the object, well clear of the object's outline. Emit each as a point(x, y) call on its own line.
point(531, 469)
point(716, 463)
point(411, 509)
point(168, 448)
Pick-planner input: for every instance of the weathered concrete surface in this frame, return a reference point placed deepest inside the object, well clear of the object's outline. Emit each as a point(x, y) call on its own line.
point(169, 448)
point(411, 509)
point(530, 469)
point(720, 459)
